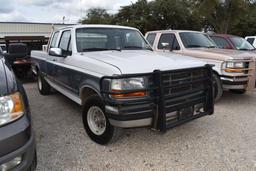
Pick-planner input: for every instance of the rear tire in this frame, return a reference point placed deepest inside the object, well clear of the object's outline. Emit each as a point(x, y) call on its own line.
point(217, 87)
point(43, 87)
point(241, 91)
point(96, 122)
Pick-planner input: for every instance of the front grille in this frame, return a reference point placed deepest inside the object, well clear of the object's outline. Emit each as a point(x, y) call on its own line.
point(175, 96)
point(184, 94)
point(246, 66)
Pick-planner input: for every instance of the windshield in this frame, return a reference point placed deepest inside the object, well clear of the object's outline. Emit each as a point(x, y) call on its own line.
point(99, 39)
point(241, 44)
point(196, 40)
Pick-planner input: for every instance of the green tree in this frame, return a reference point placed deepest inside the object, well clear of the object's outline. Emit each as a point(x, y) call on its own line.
point(222, 14)
point(97, 16)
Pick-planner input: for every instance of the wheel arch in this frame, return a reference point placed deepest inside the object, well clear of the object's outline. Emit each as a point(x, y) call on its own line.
point(86, 91)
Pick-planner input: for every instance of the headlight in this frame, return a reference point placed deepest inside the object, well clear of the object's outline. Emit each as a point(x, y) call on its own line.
point(11, 108)
point(129, 84)
point(234, 67)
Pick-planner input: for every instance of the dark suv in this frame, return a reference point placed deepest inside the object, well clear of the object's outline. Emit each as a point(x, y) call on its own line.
point(17, 142)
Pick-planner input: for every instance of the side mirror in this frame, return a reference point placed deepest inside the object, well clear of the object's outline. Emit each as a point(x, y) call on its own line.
point(166, 46)
point(56, 52)
point(16, 51)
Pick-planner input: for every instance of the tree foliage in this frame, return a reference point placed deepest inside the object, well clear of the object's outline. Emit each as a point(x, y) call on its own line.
point(224, 16)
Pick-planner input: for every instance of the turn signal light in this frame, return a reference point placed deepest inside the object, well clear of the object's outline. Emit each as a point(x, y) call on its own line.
point(233, 70)
point(132, 94)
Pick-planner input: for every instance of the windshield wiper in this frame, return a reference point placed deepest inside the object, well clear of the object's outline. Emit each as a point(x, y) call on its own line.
point(211, 46)
point(137, 47)
point(99, 49)
point(194, 46)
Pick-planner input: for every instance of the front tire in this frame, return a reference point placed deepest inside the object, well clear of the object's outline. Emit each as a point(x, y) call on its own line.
point(96, 122)
point(43, 87)
point(217, 87)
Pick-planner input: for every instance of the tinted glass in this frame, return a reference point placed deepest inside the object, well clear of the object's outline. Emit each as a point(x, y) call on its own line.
point(168, 38)
point(3, 48)
point(151, 38)
point(165, 38)
point(196, 40)
point(54, 40)
point(250, 40)
point(221, 42)
point(64, 41)
point(98, 39)
point(241, 44)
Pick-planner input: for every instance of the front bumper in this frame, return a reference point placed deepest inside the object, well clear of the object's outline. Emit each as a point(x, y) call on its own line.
point(167, 104)
point(18, 141)
point(230, 82)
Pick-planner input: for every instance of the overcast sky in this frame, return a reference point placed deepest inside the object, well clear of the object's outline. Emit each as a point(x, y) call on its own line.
point(52, 11)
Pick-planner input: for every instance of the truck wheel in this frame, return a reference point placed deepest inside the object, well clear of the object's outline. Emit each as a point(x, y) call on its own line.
point(217, 87)
point(95, 121)
point(43, 87)
point(235, 91)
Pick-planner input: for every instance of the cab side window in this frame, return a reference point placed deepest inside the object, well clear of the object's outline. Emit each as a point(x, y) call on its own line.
point(169, 38)
point(65, 43)
point(151, 38)
point(54, 40)
point(250, 40)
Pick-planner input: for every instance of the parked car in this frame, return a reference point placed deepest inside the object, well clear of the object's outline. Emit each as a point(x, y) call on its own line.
point(226, 41)
point(17, 141)
point(251, 40)
point(233, 70)
point(120, 82)
point(21, 64)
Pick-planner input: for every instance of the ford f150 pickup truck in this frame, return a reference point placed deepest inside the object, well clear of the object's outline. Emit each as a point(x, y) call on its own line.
point(233, 70)
point(120, 82)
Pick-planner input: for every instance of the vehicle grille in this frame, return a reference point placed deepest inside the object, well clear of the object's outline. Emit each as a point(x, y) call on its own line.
point(175, 96)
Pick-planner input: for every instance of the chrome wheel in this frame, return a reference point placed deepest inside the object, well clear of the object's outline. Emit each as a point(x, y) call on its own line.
point(39, 83)
point(96, 120)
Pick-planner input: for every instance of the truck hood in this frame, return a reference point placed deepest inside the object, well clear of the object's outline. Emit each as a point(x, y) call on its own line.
point(140, 61)
point(3, 81)
point(219, 54)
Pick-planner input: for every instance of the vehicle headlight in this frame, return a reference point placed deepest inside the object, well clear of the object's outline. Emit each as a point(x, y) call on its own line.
point(236, 67)
point(138, 84)
point(11, 108)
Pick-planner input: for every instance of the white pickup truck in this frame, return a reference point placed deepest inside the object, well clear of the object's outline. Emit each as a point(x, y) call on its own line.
point(120, 82)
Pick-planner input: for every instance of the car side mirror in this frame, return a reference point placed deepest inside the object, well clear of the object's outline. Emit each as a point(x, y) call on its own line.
point(166, 46)
point(56, 52)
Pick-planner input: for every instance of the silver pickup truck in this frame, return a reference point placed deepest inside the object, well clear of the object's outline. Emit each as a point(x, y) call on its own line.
point(233, 70)
point(112, 72)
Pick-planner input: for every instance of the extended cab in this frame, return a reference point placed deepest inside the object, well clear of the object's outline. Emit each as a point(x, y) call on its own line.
point(120, 82)
point(233, 70)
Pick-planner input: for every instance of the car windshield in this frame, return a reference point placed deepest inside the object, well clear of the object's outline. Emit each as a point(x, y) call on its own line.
point(241, 44)
point(196, 40)
point(100, 39)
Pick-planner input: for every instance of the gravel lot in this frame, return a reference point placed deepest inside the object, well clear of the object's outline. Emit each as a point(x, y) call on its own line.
point(223, 141)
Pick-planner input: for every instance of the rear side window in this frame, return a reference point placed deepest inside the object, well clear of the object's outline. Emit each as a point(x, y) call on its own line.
point(54, 40)
point(221, 42)
point(250, 40)
point(168, 38)
point(65, 44)
point(151, 38)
